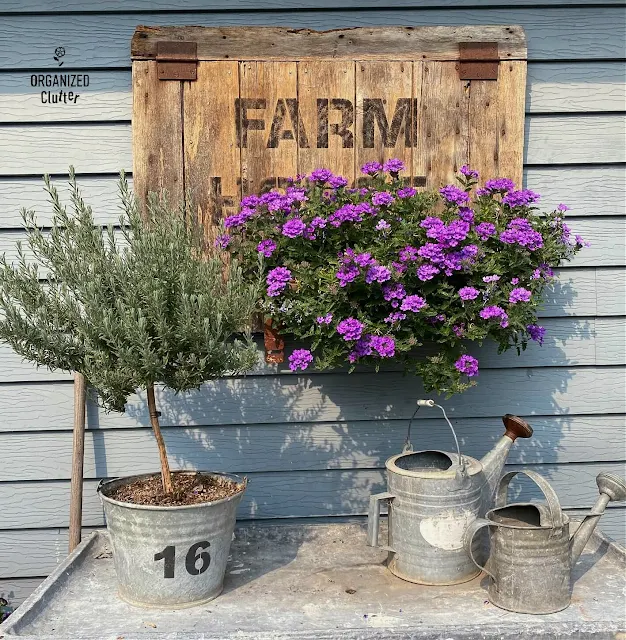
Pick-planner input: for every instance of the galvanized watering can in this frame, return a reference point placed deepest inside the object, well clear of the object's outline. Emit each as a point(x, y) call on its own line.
point(433, 496)
point(532, 554)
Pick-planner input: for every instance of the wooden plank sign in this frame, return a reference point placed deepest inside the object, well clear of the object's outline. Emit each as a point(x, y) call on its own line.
point(270, 103)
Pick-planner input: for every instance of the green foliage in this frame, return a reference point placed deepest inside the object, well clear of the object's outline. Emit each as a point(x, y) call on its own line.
point(126, 307)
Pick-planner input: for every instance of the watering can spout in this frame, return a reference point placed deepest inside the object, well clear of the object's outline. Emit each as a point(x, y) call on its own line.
point(493, 462)
point(612, 488)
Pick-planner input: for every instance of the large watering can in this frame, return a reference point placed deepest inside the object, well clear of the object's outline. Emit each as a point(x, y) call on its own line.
point(532, 553)
point(433, 496)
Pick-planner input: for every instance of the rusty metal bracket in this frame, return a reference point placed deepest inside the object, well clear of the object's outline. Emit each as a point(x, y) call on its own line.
point(177, 60)
point(478, 60)
point(274, 344)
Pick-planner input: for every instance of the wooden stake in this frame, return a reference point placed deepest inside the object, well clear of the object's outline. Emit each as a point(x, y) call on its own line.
point(78, 456)
point(166, 475)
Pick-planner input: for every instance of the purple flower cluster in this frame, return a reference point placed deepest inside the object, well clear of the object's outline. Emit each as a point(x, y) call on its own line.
point(393, 291)
point(277, 280)
point(489, 279)
point(520, 198)
point(485, 230)
point(520, 231)
point(519, 295)
point(468, 173)
point(293, 228)
point(321, 175)
point(223, 241)
point(382, 198)
point(496, 185)
point(468, 365)
point(300, 359)
point(326, 319)
point(266, 247)
point(427, 272)
point(394, 165)
point(413, 303)
point(466, 214)
point(447, 235)
point(454, 195)
point(384, 346)
point(350, 329)
point(495, 312)
point(349, 213)
point(377, 273)
point(536, 333)
point(371, 168)
point(406, 192)
point(468, 293)
point(408, 254)
point(396, 316)
point(382, 225)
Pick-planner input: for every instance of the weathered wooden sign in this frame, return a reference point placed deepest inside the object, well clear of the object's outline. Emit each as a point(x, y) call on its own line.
point(223, 112)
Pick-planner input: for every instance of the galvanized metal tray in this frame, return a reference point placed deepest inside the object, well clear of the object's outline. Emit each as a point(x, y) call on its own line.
point(315, 581)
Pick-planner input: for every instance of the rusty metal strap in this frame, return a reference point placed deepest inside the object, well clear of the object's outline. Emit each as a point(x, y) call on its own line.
point(478, 60)
point(177, 60)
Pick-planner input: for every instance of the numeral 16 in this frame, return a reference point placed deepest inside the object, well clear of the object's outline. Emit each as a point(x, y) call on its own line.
point(196, 553)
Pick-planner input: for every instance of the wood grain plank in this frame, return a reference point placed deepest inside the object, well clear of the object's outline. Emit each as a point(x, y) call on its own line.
point(157, 134)
point(269, 132)
point(589, 191)
point(559, 33)
point(290, 495)
point(212, 157)
point(112, 6)
point(279, 43)
point(96, 148)
point(326, 397)
point(484, 125)
point(326, 93)
point(385, 128)
point(301, 447)
point(510, 118)
point(443, 124)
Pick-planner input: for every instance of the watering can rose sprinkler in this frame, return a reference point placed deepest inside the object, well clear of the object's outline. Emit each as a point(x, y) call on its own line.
point(433, 496)
point(532, 552)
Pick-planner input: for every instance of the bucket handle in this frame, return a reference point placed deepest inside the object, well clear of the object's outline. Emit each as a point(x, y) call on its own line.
point(431, 403)
point(373, 520)
point(556, 513)
point(468, 538)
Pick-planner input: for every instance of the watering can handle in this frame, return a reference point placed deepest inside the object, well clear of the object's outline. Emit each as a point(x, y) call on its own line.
point(373, 519)
point(468, 539)
point(556, 513)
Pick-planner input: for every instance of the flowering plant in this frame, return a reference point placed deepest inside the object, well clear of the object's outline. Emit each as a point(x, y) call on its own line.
point(372, 273)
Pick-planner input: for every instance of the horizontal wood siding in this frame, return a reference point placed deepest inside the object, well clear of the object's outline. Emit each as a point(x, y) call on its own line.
point(314, 446)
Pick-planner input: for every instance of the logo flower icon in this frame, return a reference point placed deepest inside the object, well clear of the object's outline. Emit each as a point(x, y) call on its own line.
point(59, 52)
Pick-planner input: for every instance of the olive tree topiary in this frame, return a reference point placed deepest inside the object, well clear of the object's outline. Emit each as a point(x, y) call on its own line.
point(128, 307)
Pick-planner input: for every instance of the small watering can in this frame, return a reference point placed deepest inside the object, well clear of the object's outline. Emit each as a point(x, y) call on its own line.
point(532, 554)
point(433, 496)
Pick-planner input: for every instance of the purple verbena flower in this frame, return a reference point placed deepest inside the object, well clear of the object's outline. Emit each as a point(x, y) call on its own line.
point(516, 280)
point(413, 303)
point(495, 312)
point(408, 254)
point(562, 207)
point(327, 319)
point(223, 241)
point(396, 316)
point(293, 228)
point(499, 184)
point(493, 278)
point(469, 173)
point(432, 252)
point(377, 274)
point(427, 272)
point(394, 166)
point(385, 346)
point(381, 198)
point(485, 229)
point(519, 295)
point(347, 213)
point(395, 290)
point(536, 333)
point(454, 195)
point(337, 181)
point(371, 168)
point(459, 330)
point(520, 198)
point(364, 260)
point(277, 280)
point(321, 175)
point(350, 329)
point(520, 231)
point(468, 293)
point(466, 214)
point(382, 225)
point(266, 247)
point(300, 359)
point(468, 365)
point(406, 192)
point(347, 274)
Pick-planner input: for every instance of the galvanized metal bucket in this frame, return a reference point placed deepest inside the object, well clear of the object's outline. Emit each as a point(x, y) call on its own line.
point(170, 557)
